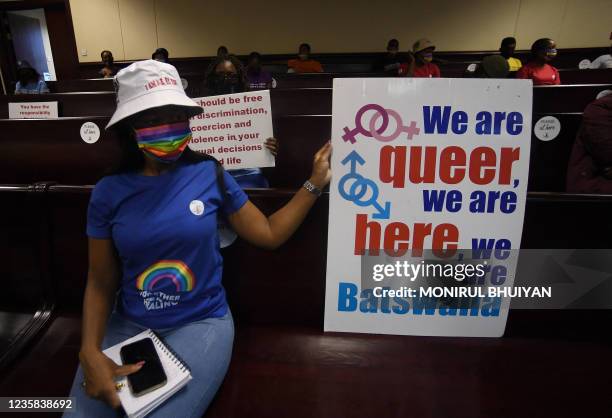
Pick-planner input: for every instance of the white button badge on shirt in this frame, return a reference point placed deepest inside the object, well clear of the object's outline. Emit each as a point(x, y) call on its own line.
point(196, 207)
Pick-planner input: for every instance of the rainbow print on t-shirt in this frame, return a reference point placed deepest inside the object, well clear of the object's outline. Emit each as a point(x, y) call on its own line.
point(174, 270)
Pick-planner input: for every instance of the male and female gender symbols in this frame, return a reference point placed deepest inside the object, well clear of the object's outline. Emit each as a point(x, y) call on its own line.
point(376, 133)
point(353, 186)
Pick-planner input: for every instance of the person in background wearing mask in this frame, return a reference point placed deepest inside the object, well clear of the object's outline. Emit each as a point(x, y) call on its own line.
point(158, 213)
point(590, 165)
point(259, 79)
point(29, 81)
point(391, 63)
point(227, 75)
point(538, 69)
point(109, 70)
point(423, 56)
point(304, 64)
point(222, 51)
point(507, 48)
point(161, 55)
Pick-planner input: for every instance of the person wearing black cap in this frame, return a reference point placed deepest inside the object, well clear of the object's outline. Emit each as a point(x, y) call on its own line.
point(28, 80)
point(390, 64)
point(508, 45)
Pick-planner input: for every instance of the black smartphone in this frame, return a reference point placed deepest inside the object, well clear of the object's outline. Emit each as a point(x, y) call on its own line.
point(152, 375)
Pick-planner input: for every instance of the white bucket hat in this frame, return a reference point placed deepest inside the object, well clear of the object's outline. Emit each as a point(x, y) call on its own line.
point(146, 85)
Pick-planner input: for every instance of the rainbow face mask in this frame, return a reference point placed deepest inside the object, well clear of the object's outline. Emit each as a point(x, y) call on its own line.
point(165, 143)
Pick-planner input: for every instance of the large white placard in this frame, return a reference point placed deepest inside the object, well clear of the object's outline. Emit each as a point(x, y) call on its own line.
point(425, 163)
point(233, 129)
point(33, 110)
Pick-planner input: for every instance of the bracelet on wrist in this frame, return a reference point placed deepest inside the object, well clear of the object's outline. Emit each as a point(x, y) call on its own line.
point(312, 188)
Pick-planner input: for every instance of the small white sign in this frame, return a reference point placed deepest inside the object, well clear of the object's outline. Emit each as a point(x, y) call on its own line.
point(33, 110)
point(233, 129)
point(547, 128)
point(90, 132)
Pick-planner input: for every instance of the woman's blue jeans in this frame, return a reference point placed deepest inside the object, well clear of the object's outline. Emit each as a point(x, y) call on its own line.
point(206, 346)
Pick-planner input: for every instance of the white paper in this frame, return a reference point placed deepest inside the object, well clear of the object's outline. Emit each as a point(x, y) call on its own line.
point(233, 129)
point(33, 110)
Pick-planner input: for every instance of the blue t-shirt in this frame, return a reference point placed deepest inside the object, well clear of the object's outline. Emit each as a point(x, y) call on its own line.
point(249, 177)
point(165, 230)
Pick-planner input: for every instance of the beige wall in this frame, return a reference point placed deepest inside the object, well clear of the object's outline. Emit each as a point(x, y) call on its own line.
point(97, 27)
point(138, 27)
point(132, 29)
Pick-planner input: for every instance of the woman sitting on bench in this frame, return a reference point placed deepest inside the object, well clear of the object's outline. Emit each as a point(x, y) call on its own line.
point(159, 212)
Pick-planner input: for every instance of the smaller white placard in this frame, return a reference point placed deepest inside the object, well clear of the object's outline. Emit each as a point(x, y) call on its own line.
point(233, 129)
point(547, 128)
point(90, 132)
point(33, 110)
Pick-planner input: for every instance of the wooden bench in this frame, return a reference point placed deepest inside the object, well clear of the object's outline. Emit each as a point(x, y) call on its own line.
point(549, 159)
point(39, 150)
point(318, 101)
point(566, 98)
point(284, 365)
point(546, 99)
point(574, 76)
point(100, 103)
point(194, 86)
point(81, 85)
point(61, 155)
point(316, 80)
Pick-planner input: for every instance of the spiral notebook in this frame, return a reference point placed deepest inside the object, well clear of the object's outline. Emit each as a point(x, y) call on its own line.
point(177, 372)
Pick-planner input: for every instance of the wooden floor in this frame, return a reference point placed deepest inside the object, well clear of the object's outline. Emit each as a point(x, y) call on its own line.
point(303, 372)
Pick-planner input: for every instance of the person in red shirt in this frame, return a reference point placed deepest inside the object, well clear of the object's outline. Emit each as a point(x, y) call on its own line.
point(304, 64)
point(422, 65)
point(538, 69)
